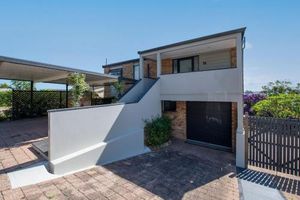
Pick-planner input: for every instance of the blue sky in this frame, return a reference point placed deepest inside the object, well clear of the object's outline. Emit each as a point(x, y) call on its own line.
point(82, 34)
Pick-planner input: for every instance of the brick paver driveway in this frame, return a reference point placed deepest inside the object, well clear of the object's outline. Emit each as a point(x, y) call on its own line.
point(16, 138)
point(179, 171)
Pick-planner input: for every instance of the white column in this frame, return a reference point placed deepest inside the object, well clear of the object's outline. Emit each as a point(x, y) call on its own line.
point(240, 137)
point(239, 63)
point(141, 67)
point(158, 64)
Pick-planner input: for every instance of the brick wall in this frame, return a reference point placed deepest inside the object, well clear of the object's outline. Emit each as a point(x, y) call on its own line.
point(166, 66)
point(127, 69)
point(152, 68)
point(233, 124)
point(178, 120)
point(107, 91)
point(106, 70)
point(127, 73)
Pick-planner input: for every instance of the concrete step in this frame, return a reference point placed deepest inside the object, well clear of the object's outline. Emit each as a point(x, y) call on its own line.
point(41, 147)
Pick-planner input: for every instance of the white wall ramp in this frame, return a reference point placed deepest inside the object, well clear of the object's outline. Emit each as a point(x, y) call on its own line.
point(83, 137)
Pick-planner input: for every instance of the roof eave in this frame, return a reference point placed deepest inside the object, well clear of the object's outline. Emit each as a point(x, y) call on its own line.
point(50, 66)
point(120, 63)
point(240, 30)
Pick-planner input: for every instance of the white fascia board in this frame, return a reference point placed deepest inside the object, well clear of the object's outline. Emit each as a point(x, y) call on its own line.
point(204, 42)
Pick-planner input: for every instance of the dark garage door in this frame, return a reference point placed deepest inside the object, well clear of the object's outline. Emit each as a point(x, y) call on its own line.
point(209, 122)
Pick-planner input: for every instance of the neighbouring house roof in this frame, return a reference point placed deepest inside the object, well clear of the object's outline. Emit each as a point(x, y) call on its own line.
point(18, 69)
point(240, 30)
point(121, 63)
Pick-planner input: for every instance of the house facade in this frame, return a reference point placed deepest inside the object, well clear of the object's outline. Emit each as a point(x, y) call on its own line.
point(201, 86)
point(198, 83)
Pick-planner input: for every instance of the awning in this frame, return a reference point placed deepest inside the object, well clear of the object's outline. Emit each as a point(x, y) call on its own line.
point(18, 69)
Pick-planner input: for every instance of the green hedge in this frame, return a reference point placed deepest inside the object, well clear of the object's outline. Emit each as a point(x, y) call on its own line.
point(157, 131)
point(279, 106)
point(5, 98)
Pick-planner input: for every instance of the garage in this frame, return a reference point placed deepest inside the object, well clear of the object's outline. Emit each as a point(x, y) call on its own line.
point(209, 123)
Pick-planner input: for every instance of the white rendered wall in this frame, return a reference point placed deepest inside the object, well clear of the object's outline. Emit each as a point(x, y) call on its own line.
point(213, 85)
point(222, 85)
point(80, 138)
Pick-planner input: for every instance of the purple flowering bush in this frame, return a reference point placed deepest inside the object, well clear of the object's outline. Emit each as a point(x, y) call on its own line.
point(250, 99)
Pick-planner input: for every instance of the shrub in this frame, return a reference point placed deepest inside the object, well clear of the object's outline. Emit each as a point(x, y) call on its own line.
point(280, 106)
point(251, 99)
point(5, 98)
point(157, 131)
point(5, 114)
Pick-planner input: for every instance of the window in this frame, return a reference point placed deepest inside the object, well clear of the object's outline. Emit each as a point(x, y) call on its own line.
point(116, 72)
point(169, 106)
point(215, 60)
point(136, 71)
point(186, 64)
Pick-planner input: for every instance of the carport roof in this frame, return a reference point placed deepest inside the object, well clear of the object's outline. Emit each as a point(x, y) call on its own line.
point(18, 69)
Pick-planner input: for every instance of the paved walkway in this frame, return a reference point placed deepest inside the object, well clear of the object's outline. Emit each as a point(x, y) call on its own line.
point(16, 138)
point(179, 171)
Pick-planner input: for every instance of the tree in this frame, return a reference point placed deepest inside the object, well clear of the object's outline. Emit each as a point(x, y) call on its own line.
point(281, 87)
point(4, 85)
point(21, 85)
point(280, 106)
point(119, 87)
point(79, 87)
point(250, 100)
point(297, 89)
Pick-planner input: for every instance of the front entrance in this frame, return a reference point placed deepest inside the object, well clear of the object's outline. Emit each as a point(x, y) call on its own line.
point(209, 123)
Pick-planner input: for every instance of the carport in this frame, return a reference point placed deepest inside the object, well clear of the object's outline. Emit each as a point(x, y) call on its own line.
point(36, 72)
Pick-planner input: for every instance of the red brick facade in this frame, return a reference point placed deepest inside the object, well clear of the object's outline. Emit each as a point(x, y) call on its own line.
point(179, 121)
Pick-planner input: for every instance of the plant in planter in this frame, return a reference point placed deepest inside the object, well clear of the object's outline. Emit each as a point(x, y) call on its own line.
point(119, 87)
point(157, 131)
point(79, 87)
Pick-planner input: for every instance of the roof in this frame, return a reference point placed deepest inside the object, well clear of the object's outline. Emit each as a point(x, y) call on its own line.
point(19, 69)
point(121, 63)
point(240, 30)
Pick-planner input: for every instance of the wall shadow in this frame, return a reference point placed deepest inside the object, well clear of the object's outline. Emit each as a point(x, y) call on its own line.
point(171, 173)
point(22, 132)
point(17, 134)
point(284, 184)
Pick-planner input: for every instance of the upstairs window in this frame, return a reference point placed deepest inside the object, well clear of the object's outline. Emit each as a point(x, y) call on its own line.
point(136, 72)
point(116, 72)
point(186, 64)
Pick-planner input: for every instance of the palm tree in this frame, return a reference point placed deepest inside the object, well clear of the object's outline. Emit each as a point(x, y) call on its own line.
point(119, 87)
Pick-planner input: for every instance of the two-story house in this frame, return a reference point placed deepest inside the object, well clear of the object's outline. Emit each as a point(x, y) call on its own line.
point(198, 83)
point(201, 85)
